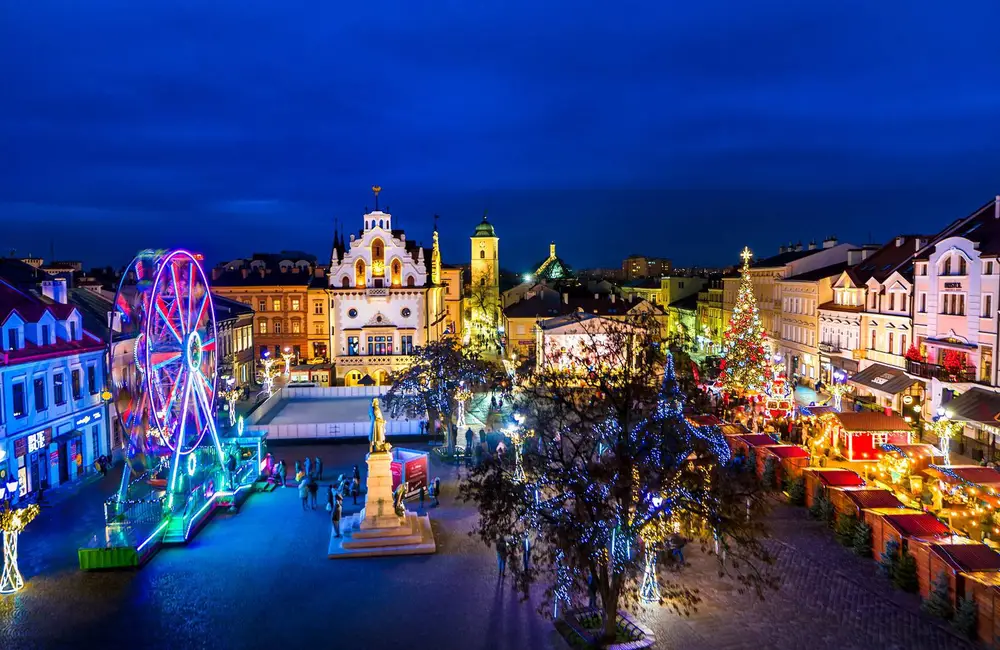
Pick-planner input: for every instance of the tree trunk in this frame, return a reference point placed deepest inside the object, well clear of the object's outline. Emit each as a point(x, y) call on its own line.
point(610, 604)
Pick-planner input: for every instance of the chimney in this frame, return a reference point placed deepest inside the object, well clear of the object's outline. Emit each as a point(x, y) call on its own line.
point(996, 207)
point(565, 298)
point(921, 242)
point(830, 242)
point(245, 271)
point(55, 290)
point(855, 256)
point(812, 245)
point(215, 274)
point(781, 249)
point(899, 240)
point(798, 247)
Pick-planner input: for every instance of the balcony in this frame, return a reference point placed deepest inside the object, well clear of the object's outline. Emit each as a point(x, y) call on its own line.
point(393, 361)
point(886, 358)
point(934, 371)
point(830, 348)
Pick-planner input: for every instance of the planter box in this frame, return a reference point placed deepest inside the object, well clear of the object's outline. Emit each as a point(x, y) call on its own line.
point(640, 636)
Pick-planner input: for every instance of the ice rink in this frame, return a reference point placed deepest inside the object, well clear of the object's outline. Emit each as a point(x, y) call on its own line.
point(322, 411)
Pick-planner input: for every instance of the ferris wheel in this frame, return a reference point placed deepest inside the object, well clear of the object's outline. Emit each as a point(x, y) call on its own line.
point(164, 378)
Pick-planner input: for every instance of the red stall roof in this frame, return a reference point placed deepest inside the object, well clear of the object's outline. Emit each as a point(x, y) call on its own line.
point(968, 473)
point(968, 557)
point(866, 421)
point(837, 477)
point(758, 440)
point(787, 451)
point(866, 498)
point(918, 525)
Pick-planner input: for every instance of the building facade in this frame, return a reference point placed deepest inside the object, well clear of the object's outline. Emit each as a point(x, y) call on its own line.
point(799, 298)
point(454, 300)
point(710, 321)
point(234, 324)
point(387, 299)
point(53, 420)
point(640, 266)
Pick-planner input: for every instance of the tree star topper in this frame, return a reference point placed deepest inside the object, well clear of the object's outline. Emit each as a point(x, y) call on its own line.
point(746, 255)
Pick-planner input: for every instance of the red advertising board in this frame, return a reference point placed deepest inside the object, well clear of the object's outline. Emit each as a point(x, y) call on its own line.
point(411, 467)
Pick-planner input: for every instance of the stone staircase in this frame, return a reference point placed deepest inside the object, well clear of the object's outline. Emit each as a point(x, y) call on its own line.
point(412, 537)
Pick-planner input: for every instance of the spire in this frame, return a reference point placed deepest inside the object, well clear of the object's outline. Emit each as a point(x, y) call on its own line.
point(552, 250)
point(333, 249)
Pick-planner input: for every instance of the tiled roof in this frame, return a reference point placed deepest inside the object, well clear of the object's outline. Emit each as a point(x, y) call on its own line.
point(787, 451)
point(837, 477)
point(884, 379)
point(865, 498)
point(782, 259)
point(871, 421)
point(542, 306)
point(881, 263)
point(968, 557)
point(981, 227)
point(28, 307)
point(918, 525)
point(255, 279)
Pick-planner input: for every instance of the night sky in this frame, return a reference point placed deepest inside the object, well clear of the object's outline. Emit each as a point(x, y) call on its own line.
point(677, 129)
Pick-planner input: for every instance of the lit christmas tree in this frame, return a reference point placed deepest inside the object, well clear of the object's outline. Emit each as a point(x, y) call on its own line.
point(745, 352)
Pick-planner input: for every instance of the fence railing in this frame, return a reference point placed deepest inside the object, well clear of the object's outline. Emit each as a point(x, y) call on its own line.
point(144, 511)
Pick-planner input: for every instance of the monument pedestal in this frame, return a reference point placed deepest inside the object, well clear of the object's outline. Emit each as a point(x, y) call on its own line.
point(377, 530)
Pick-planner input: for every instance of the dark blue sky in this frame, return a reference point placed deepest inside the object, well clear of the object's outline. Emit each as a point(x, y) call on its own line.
point(681, 129)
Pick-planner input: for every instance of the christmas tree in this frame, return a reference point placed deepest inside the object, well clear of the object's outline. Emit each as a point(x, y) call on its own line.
point(745, 364)
point(938, 601)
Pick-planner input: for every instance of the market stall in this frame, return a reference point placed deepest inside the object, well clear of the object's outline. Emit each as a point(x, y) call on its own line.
point(850, 501)
point(860, 436)
point(821, 479)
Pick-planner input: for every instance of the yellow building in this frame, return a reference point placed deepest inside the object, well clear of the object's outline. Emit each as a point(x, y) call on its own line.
point(484, 328)
point(454, 303)
point(318, 320)
point(711, 323)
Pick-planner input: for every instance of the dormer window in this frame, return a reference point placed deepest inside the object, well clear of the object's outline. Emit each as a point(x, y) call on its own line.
point(44, 340)
point(12, 339)
point(72, 330)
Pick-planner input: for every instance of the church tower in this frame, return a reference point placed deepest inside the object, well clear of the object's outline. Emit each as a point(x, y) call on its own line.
point(484, 297)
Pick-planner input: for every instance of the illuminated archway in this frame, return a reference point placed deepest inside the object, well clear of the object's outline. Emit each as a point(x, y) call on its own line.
point(359, 273)
point(396, 270)
point(352, 378)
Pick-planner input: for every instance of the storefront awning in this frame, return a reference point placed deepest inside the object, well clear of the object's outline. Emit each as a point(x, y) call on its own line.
point(883, 379)
point(975, 405)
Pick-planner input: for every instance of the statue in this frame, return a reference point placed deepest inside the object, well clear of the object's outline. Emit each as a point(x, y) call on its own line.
point(397, 500)
point(377, 443)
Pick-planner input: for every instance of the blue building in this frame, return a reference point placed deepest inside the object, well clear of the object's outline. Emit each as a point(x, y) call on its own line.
point(53, 420)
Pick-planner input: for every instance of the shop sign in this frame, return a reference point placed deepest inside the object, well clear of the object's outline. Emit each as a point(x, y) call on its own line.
point(952, 285)
point(39, 440)
point(93, 416)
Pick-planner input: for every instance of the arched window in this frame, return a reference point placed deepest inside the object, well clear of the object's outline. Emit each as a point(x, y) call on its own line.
point(378, 251)
point(396, 273)
point(345, 282)
point(379, 223)
point(961, 265)
point(410, 282)
point(366, 224)
point(359, 273)
point(482, 255)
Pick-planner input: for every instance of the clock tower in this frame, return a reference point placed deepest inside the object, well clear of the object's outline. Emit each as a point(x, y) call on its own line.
point(484, 296)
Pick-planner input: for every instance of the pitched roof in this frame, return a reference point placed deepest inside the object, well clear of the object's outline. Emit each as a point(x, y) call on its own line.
point(832, 270)
point(982, 227)
point(758, 440)
point(836, 476)
point(897, 254)
point(973, 474)
point(968, 557)
point(865, 498)
point(226, 308)
point(976, 405)
point(786, 451)
point(917, 524)
point(256, 279)
point(28, 307)
point(866, 421)
point(547, 306)
point(882, 378)
point(782, 259)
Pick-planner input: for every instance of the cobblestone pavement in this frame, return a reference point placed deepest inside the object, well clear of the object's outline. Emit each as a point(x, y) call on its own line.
point(261, 578)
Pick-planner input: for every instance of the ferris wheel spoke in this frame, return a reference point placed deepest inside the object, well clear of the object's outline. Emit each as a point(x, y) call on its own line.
point(206, 384)
point(179, 441)
point(208, 346)
point(162, 309)
point(190, 291)
point(201, 311)
point(201, 383)
point(161, 359)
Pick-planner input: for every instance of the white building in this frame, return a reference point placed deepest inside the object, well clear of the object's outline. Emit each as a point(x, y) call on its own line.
point(573, 342)
point(387, 299)
point(53, 422)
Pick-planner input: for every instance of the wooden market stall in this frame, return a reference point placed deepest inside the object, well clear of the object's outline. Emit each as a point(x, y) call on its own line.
point(902, 525)
point(860, 436)
point(789, 461)
point(852, 500)
point(968, 495)
point(956, 556)
point(984, 588)
point(823, 478)
point(744, 443)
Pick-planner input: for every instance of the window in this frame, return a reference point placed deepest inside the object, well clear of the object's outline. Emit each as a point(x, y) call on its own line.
point(989, 268)
point(59, 388)
point(45, 335)
point(873, 340)
point(889, 350)
point(961, 304)
point(277, 326)
point(295, 304)
point(923, 269)
point(276, 304)
point(406, 343)
point(405, 312)
point(986, 364)
point(75, 381)
point(379, 345)
point(892, 302)
point(352, 313)
point(296, 327)
point(318, 307)
point(410, 282)
point(961, 266)
point(261, 305)
point(988, 305)
point(352, 345)
point(318, 329)
point(72, 330)
point(902, 344)
point(92, 379)
point(40, 403)
point(12, 339)
point(482, 255)
point(263, 351)
point(262, 327)
point(17, 399)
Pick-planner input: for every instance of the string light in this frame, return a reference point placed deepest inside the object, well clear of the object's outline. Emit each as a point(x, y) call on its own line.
point(12, 522)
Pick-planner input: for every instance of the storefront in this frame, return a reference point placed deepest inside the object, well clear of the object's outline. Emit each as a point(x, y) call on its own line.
point(60, 452)
point(888, 386)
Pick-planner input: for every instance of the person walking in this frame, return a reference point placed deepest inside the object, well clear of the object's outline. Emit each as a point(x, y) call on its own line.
point(313, 487)
point(355, 490)
point(501, 545)
point(436, 493)
point(329, 498)
point(282, 472)
point(319, 468)
point(304, 494)
point(308, 467)
point(338, 510)
point(423, 492)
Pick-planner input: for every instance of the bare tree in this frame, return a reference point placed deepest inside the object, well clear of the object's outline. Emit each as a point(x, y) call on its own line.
point(611, 464)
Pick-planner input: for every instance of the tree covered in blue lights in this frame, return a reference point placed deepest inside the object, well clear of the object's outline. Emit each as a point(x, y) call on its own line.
point(611, 466)
point(437, 372)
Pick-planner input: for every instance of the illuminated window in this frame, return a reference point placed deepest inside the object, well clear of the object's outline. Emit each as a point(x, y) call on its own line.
point(296, 327)
point(295, 304)
point(262, 327)
point(276, 304)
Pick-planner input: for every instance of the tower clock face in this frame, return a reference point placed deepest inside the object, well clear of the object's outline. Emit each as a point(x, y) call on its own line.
point(482, 244)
